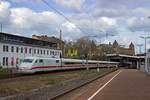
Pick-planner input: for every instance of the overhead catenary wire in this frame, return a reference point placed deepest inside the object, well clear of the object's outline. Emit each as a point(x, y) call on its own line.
point(66, 18)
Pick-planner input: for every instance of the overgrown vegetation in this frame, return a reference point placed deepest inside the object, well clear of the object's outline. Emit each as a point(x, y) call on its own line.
point(3, 71)
point(22, 85)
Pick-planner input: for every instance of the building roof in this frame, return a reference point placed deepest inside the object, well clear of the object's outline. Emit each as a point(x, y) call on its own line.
point(127, 56)
point(47, 38)
point(21, 40)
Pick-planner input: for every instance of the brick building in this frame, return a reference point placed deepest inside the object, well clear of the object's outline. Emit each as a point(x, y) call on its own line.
point(60, 43)
point(117, 49)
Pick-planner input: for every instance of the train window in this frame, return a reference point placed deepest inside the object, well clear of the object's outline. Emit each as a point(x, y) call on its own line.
point(57, 61)
point(40, 61)
point(27, 60)
point(36, 61)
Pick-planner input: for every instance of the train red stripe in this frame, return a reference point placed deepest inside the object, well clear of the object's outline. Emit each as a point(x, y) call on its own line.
point(43, 67)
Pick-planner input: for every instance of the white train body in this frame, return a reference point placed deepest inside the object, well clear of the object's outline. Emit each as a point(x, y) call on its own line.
point(36, 64)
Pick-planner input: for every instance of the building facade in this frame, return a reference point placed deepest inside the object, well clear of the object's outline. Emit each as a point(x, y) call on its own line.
point(117, 49)
point(14, 48)
point(60, 44)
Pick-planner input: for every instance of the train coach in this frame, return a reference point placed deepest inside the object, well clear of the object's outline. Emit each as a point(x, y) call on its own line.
point(36, 64)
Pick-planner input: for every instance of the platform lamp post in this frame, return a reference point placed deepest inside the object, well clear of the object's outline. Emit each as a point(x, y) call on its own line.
point(148, 69)
point(145, 39)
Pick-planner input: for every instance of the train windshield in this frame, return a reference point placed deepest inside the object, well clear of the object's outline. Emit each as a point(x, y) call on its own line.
point(27, 61)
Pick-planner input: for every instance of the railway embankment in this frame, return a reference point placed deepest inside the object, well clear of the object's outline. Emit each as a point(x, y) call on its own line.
point(50, 86)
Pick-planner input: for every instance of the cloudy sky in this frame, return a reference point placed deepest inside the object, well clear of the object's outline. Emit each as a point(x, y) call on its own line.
point(122, 20)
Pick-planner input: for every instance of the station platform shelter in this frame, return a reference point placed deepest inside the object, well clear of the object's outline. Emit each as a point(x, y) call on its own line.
point(127, 61)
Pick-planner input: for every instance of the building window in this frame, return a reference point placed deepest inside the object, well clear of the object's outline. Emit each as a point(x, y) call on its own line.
point(17, 49)
point(12, 61)
point(17, 60)
point(34, 51)
point(12, 49)
point(41, 52)
point(6, 61)
point(3, 48)
point(7, 49)
point(26, 50)
point(38, 51)
point(51, 53)
point(21, 49)
point(3, 61)
point(30, 50)
point(44, 52)
point(47, 52)
point(55, 53)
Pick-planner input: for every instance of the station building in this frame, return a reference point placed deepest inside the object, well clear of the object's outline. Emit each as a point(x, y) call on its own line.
point(14, 48)
point(125, 56)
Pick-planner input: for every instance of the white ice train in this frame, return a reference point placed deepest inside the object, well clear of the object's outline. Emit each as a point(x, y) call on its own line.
point(36, 64)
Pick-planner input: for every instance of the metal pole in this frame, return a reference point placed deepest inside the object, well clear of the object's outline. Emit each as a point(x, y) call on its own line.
point(145, 56)
point(1, 28)
point(61, 47)
point(145, 45)
point(145, 39)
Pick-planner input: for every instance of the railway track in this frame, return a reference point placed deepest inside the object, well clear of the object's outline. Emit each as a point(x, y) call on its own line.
point(80, 84)
point(18, 76)
point(12, 74)
point(52, 92)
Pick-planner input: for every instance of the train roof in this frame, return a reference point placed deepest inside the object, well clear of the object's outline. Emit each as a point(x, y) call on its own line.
point(74, 60)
